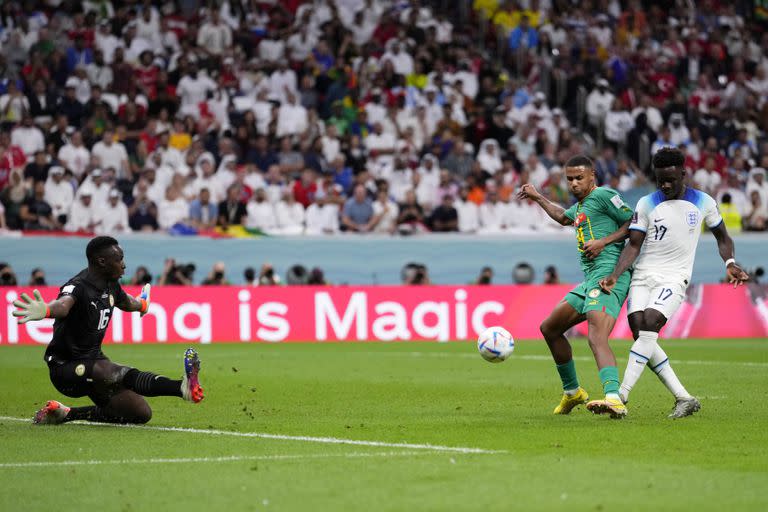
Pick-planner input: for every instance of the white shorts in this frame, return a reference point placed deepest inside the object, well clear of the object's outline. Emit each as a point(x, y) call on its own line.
point(654, 292)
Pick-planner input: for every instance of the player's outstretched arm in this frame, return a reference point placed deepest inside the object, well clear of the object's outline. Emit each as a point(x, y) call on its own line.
point(593, 248)
point(555, 211)
point(626, 259)
point(736, 275)
point(140, 303)
point(36, 309)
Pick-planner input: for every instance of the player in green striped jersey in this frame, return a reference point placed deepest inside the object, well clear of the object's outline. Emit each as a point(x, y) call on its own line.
point(600, 218)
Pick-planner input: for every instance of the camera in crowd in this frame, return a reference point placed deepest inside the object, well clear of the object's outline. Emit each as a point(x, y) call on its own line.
point(178, 273)
point(415, 273)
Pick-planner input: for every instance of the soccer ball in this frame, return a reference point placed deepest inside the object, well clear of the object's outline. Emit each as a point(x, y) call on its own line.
point(495, 344)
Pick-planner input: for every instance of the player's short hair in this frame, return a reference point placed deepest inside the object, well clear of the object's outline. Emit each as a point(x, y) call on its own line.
point(668, 157)
point(580, 161)
point(97, 246)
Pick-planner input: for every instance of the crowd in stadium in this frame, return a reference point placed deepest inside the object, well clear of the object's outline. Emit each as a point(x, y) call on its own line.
point(316, 117)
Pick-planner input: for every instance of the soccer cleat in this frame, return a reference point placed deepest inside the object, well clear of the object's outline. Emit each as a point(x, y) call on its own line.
point(614, 407)
point(52, 414)
point(191, 390)
point(568, 402)
point(685, 407)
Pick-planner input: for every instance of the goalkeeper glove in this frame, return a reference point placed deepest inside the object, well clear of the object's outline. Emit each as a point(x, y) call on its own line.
point(31, 309)
point(144, 299)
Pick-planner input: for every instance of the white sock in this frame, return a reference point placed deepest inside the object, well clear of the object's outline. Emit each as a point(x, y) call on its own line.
point(571, 392)
point(639, 355)
point(660, 365)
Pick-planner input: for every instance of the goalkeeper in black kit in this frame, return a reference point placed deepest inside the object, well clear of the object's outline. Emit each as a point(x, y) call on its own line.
point(75, 361)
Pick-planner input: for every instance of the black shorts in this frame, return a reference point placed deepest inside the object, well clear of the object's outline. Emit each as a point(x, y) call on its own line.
point(75, 379)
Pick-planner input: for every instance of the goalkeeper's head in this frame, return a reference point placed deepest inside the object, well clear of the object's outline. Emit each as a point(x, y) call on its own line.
point(105, 258)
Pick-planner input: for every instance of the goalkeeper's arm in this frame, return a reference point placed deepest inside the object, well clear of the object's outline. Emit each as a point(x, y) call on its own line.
point(31, 309)
point(140, 303)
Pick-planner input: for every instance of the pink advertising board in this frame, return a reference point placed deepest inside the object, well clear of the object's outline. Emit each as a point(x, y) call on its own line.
point(376, 313)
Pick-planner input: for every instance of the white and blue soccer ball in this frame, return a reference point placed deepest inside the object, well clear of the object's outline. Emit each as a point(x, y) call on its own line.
point(495, 344)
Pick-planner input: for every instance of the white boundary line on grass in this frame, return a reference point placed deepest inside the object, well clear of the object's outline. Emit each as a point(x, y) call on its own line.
point(282, 437)
point(532, 357)
point(228, 458)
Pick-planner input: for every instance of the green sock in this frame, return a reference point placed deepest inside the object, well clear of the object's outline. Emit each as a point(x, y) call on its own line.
point(567, 373)
point(609, 376)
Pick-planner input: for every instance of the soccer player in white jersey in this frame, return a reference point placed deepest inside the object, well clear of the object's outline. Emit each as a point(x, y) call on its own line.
point(663, 236)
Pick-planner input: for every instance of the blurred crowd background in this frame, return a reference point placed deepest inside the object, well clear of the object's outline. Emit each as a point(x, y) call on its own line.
point(392, 117)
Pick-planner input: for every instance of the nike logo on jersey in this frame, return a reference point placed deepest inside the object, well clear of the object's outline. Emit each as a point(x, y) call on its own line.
point(657, 220)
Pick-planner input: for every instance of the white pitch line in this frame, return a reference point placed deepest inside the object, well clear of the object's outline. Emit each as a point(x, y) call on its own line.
point(575, 358)
point(230, 458)
point(282, 437)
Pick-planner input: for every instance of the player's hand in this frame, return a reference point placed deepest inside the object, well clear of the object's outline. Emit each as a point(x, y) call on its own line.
point(736, 275)
point(528, 191)
point(29, 308)
point(593, 248)
point(607, 283)
point(144, 299)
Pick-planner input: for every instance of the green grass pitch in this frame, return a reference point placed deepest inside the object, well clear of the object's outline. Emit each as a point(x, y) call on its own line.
point(442, 395)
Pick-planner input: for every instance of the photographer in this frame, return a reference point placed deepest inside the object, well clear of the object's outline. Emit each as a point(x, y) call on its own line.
point(268, 276)
point(415, 274)
point(249, 274)
point(37, 277)
point(174, 274)
point(216, 276)
point(141, 277)
point(7, 276)
point(551, 276)
point(316, 277)
point(485, 277)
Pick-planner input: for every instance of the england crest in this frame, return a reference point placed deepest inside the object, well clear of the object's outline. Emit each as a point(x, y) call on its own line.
point(692, 217)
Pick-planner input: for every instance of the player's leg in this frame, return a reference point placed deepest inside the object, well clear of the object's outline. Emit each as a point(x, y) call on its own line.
point(115, 405)
point(151, 384)
point(553, 328)
point(102, 380)
point(685, 403)
point(640, 353)
point(664, 300)
point(602, 310)
point(600, 327)
point(114, 402)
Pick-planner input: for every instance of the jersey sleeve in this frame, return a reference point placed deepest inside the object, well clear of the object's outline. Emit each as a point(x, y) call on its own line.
point(120, 295)
point(74, 290)
point(571, 212)
point(615, 207)
point(640, 217)
point(711, 213)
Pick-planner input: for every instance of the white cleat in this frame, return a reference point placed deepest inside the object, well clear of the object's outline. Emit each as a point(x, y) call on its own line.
point(685, 407)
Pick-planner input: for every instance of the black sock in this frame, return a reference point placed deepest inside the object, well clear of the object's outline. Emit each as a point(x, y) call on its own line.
point(150, 384)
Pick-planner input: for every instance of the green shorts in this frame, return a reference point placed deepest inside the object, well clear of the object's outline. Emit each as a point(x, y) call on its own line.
point(588, 296)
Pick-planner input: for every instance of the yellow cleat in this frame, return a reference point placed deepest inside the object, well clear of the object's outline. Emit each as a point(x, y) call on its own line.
point(612, 406)
point(568, 402)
